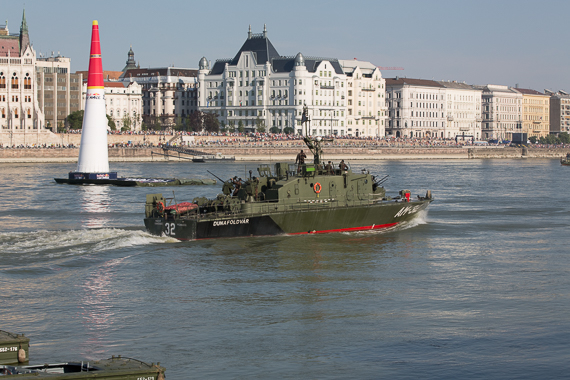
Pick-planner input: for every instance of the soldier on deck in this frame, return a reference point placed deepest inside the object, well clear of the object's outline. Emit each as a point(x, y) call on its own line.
point(228, 187)
point(300, 159)
point(237, 185)
point(329, 168)
point(342, 166)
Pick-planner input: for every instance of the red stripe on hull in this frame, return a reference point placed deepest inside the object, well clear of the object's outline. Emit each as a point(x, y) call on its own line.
point(373, 227)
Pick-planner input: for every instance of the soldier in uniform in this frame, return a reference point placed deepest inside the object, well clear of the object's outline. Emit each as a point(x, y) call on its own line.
point(228, 187)
point(342, 166)
point(329, 168)
point(237, 184)
point(300, 159)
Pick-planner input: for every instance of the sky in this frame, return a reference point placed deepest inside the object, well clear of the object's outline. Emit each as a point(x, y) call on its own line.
point(508, 42)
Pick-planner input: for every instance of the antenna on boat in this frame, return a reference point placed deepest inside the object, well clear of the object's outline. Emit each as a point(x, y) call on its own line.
point(305, 119)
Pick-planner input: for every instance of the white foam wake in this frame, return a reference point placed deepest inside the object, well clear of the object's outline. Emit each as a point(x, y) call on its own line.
point(73, 242)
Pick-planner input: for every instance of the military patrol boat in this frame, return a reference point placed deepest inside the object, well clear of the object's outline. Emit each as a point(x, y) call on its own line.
point(13, 348)
point(115, 368)
point(287, 199)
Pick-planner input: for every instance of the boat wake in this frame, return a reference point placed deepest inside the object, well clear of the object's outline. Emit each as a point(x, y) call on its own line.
point(419, 219)
point(75, 242)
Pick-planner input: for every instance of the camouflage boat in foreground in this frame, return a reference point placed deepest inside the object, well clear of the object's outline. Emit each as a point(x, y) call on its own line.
point(116, 368)
point(13, 348)
point(286, 199)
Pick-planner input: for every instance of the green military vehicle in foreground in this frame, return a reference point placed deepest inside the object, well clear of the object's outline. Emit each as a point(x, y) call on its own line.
point(115, 368)
point(14, 348)
point(289, 199)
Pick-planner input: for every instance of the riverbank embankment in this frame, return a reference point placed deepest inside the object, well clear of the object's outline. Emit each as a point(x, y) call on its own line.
point(145, 154)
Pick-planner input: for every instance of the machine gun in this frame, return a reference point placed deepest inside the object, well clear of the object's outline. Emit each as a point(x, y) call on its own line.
point(218, 178)
point(381, 180)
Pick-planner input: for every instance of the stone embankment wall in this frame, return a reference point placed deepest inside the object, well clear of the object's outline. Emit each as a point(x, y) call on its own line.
point(286, 154)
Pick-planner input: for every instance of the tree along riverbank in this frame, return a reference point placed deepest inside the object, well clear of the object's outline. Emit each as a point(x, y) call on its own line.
point(125, 154)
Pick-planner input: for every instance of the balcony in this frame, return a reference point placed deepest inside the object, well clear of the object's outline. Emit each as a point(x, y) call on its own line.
point(369, 89)
point(327, 87)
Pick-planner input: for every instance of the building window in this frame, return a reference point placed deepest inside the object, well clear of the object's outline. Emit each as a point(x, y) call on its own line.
point(15, 85)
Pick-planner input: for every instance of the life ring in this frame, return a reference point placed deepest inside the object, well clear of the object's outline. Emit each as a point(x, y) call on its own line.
point(317, 187)
point(160, 207)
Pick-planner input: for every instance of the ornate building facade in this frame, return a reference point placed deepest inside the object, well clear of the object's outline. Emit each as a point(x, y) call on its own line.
point(19, 109)
point(168, 94)
point(123, 104)
point(535, 113)
point(415, 108)
point(366, 103)
point(462, 110)
point(260, 88)
point(501, 111)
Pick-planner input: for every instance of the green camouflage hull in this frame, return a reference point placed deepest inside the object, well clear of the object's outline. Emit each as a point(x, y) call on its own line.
point(116, 368)
point(13, 348)
point(307, 219)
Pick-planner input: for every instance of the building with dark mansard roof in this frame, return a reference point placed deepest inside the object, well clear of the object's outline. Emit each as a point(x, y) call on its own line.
point(258, 86)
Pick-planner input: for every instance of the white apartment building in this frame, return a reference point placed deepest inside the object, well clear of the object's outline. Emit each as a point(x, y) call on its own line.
point(366, 99)
point(260, 87)
point(463, 111)
point(19, 109)
point(415, 108)
point(501, 110)
point(168, 93)
point(123, 103)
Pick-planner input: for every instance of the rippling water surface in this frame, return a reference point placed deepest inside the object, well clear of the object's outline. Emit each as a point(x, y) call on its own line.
point(477, 287)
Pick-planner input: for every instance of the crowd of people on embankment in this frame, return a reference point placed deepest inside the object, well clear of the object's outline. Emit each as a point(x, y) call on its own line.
point(266, 140)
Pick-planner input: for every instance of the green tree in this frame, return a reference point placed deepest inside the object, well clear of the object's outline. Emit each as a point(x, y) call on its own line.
point(144, 127)
point(155, 123)
point(211, 122)
point(259, 125)
point(231, 126)
point(196, 121)
point(532, 139)
point(127, 123)
point(289, 130)
point(111, 123)
point(274, 130)
point(75, 119)
point(178, 123)
point(240, 127)
point(550, 139)
point(564, 137)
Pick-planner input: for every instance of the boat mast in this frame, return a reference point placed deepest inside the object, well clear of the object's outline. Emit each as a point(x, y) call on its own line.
point(314, 145)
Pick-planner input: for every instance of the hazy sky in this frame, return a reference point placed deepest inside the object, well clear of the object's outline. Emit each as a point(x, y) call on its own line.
point(502, 42)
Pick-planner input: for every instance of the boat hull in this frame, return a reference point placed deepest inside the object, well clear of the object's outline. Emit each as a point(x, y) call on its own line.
point(294, 222)
point(14, 348)
point(116, 368)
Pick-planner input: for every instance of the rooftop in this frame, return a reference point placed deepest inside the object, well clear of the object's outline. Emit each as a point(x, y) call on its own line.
point(411, 82)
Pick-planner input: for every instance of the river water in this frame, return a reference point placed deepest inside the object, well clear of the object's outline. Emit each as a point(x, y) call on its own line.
point(477, 287)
